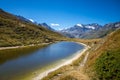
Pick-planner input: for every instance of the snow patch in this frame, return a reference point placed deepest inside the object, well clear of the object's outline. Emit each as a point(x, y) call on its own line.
point(92, 27)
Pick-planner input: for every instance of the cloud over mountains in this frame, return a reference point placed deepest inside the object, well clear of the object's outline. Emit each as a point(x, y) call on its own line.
point(54, 25)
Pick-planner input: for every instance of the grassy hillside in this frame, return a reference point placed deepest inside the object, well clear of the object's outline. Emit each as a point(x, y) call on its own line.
point(14, 32)
point(103, 61)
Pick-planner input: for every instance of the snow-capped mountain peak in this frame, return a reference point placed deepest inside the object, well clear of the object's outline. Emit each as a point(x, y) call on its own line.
point(80, 25)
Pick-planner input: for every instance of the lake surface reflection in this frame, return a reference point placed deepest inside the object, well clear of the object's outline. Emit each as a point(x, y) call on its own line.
point(36, 58)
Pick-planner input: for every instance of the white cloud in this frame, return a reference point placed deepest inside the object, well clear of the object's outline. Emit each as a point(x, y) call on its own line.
point(31, 20)
point(54, 25)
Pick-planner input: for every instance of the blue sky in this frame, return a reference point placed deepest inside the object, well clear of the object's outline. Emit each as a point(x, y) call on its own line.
point(65, 13)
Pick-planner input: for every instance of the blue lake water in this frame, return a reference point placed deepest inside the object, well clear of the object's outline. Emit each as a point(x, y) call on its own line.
point(37, 59)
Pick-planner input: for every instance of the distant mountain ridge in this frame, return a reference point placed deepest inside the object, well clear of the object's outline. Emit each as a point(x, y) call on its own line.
point(23, 19)
point(90, 30)
point(45, 25)
point(79, 29)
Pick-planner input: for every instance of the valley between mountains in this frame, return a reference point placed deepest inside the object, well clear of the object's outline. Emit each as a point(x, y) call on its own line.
point(99, 62)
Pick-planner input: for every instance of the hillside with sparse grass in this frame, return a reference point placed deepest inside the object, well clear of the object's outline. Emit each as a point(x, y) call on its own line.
point(15, 32)
point(104, 58)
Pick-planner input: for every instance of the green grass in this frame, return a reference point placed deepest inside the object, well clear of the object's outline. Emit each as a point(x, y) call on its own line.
point(107, 66)
point(103, 61)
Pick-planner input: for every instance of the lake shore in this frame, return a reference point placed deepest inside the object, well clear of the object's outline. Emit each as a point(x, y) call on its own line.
point(69, 61)
point(14, 47)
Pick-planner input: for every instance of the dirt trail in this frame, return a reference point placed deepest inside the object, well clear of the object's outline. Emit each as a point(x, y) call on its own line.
point(85, 59)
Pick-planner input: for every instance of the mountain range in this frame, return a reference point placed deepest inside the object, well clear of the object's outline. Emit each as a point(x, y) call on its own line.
point(89, 31)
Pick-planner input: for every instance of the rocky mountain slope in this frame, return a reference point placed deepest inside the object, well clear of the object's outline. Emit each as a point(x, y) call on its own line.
point(14, 31)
